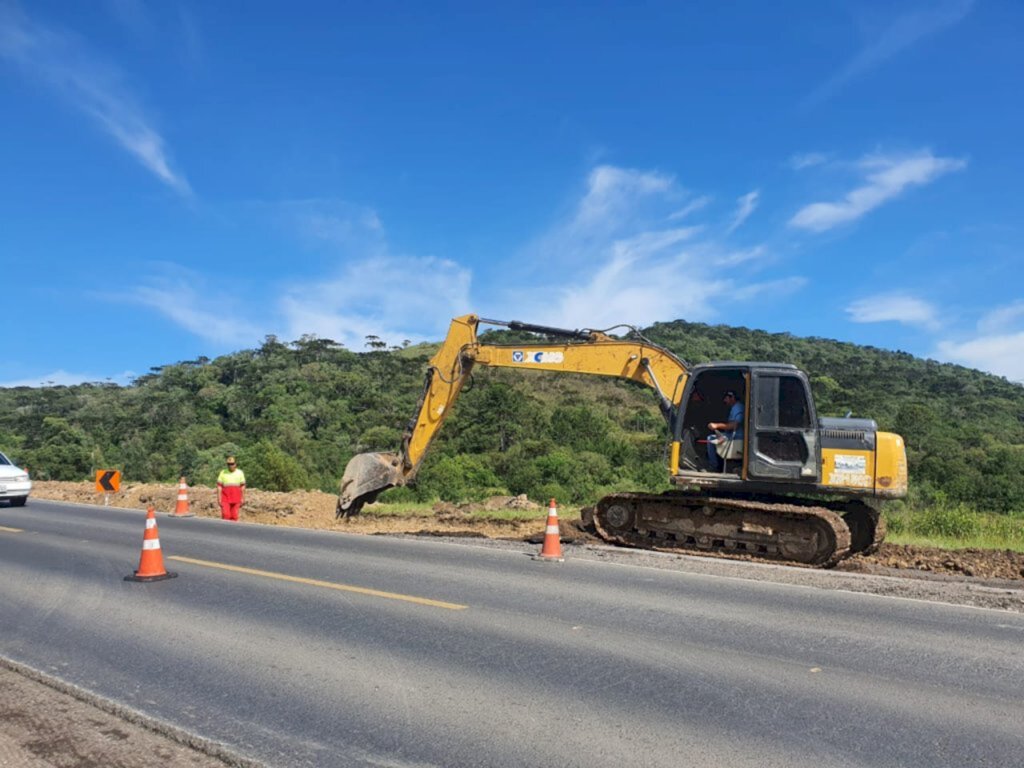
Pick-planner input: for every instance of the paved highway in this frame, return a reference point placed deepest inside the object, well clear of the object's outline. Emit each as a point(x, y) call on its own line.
point(325, 649)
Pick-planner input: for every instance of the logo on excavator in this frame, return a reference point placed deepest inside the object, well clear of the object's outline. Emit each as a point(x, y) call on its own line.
point(519, 356)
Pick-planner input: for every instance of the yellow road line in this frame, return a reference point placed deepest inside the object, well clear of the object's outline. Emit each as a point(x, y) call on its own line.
point(325, 584)
point(10, 530)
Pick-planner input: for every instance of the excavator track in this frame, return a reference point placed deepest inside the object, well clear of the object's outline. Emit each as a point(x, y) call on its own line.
point(672, 522)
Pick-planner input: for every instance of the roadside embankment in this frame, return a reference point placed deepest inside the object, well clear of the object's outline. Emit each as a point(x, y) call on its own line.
point(524, 521)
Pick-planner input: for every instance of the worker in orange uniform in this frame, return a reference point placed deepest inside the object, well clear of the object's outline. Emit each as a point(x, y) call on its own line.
point(231, 490)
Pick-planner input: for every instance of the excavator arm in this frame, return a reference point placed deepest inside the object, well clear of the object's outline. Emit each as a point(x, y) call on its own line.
point(582, 351)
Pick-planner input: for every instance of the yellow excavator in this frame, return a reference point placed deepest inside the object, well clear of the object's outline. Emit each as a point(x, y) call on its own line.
point(783, 484)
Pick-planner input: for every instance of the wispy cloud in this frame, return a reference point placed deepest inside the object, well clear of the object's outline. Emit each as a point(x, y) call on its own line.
point(1000, 319)
point(691, 207)
point(894, 307)
point(611, 191)
point(68, 67)
point(394, 298)
point(998, 345)
point(803, 160)
point(886, 178)
point(899, 33)
point(732, 258)
point(371, 291)
point(745, 206)
point(626, 265)
point(201, 308)
point(1001, 354)
point(333, 223)
point(67, 379)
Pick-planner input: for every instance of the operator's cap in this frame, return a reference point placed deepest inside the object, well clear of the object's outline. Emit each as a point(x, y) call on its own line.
point(731, 393)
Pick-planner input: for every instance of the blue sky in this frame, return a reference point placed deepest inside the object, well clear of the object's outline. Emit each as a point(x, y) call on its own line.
point(181, 179)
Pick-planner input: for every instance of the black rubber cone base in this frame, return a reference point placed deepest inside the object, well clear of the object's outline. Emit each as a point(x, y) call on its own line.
point(161, 577)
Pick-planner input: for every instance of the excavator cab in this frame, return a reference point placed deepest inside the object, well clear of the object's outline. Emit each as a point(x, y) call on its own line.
point(703, 404)
point(779, 440)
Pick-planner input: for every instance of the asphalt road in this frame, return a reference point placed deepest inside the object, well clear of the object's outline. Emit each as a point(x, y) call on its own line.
point(464, 656)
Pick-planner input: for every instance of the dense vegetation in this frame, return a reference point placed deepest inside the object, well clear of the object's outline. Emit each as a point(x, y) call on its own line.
point(295, 413)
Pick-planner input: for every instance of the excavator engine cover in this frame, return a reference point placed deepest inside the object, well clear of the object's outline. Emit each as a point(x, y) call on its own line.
point(367, 475)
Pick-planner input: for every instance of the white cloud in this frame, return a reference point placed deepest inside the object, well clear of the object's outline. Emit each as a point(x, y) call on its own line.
point(1002, 318)
point(334, 223)
point(612, 191)
point(371, 291)
point(626, 266)
point(66, 378)
point(1001, 354)
point(394, 298)
point(806, 160)
point(368, 291)
point(68, 67)
point(894, 307)
point(886, 178)
point(691, 207)
point(745, 206)
point(899, 34)
point(998, 346)
point(732, 258)
point(614, 200)
point(209, 313)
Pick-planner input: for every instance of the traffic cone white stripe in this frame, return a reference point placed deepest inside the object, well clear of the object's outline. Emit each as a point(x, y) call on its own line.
point(150, 524)
point(151, 543)
point(551, 529)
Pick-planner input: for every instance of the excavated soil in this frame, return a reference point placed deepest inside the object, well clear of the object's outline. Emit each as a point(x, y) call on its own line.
point(315, 509)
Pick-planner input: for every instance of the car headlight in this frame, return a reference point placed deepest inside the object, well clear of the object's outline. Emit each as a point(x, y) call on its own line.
point(20, 478)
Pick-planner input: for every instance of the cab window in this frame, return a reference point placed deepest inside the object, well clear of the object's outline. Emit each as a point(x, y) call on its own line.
point(782, 403)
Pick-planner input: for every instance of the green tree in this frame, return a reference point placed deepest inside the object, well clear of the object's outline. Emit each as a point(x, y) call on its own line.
point(65, 453)
point(269, 468)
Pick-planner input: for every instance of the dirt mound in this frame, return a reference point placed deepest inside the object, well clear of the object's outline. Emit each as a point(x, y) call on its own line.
point(987, 564)
point(493, 504)
point(315, 509)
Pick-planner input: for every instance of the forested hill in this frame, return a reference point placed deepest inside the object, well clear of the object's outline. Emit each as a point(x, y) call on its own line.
point(295, 413)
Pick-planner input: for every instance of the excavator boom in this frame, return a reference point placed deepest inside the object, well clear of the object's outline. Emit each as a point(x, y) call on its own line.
point(583, 351)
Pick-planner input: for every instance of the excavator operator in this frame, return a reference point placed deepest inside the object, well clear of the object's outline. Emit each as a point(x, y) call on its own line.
point(732, 429)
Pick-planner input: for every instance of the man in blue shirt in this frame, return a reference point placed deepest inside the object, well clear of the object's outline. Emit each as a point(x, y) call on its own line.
point(732, 429)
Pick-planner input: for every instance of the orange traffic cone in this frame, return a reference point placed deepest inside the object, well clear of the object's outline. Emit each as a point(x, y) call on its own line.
point(181, 508)
point(151, 564)
point(552, 549)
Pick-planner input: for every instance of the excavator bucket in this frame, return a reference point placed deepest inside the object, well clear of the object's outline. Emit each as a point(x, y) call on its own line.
point(367, 475)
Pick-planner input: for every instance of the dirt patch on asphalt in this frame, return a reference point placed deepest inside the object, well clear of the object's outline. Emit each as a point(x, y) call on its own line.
point(315, 509)
point(49, 725)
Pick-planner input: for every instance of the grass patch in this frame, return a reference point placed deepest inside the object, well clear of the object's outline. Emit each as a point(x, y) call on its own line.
point(953, 526)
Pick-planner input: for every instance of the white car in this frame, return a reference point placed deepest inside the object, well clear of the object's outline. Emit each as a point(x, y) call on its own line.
point(14, 482)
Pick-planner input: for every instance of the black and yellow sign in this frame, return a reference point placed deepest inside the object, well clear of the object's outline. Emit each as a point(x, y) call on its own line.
point(108, 480)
